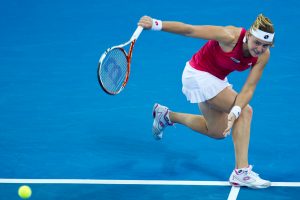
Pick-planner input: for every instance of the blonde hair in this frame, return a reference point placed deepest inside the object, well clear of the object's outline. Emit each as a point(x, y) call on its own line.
point(263, 23)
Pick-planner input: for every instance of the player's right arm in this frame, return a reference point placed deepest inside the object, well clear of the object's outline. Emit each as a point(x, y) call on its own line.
point(223, 34)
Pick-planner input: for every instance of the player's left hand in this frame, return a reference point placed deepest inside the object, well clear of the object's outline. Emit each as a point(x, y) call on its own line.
point(231, 120)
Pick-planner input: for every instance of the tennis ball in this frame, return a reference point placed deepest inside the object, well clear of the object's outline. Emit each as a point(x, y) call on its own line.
point(24, 192)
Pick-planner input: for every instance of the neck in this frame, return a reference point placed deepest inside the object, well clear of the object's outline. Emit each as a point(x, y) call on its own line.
point(246, 52)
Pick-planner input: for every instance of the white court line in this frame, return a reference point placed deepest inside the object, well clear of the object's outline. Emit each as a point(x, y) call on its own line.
point(133, 182)
point(233, 193)
point(115, 182)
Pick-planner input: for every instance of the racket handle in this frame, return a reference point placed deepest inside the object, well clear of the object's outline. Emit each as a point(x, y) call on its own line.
point(136, 33)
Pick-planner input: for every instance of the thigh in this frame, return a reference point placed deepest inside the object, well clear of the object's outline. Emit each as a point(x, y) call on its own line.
point(224, 100)
point(216, 121)
point(215, 111)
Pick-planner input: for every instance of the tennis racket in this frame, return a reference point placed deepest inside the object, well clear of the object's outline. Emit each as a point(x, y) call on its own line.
point(114, 65)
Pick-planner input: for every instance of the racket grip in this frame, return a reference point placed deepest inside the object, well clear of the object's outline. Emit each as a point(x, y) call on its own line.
point(136, 33)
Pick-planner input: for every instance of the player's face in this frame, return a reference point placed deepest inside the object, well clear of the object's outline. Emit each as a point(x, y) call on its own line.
point(256, 46)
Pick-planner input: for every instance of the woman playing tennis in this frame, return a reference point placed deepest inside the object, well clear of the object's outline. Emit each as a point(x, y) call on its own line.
point(204, 82)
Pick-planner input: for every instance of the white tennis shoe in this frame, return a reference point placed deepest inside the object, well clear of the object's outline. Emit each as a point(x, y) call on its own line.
point(161, 120)
point(247, 177)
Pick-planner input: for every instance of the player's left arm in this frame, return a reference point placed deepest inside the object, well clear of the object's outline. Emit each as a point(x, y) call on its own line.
point(255, 74)
point(248, 89)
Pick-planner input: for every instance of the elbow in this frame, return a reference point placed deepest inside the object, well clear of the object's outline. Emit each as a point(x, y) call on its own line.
point(188, 30)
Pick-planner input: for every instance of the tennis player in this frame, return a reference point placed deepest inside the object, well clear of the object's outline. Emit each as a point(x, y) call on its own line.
point(204, 82)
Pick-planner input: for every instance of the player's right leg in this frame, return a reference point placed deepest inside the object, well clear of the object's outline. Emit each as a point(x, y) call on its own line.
point(212, 124)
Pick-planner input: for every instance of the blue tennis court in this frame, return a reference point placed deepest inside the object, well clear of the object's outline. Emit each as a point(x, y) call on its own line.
point(65, 138)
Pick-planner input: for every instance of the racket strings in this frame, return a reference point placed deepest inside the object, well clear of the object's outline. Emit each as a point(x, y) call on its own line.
point(113, 71)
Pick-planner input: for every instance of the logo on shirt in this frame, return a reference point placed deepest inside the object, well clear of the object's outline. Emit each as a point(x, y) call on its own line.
point(235, 60)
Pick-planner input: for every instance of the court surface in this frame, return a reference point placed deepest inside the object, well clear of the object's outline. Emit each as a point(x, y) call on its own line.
point(64, 137)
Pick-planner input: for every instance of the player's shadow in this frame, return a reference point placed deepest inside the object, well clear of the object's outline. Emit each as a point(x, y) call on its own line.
point(187, 166)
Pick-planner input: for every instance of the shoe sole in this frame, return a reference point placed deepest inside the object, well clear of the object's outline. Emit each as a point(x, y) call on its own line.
point(156, 137)
point(250, 186)
point(153, 110)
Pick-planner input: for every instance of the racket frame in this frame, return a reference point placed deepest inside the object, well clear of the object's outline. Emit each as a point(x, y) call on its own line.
point(128, 56)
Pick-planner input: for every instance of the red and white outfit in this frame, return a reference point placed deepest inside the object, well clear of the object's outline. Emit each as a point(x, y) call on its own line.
point(205, 75)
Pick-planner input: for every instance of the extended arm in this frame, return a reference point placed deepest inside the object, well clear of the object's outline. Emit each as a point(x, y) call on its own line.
point(223, 34)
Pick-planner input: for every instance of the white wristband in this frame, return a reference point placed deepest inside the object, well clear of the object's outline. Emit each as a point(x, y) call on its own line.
point(236, 110)
point(156, 25)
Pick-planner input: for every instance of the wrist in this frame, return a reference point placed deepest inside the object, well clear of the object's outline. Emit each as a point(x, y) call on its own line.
point(156, 25)
point(236, 110)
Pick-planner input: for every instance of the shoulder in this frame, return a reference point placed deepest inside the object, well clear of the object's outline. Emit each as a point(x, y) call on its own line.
point(233, 29)
point(233, 34)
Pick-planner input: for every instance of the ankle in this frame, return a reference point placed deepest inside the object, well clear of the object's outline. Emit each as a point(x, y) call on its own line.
point(243, 169)
point(169, 121)
point(243, 165)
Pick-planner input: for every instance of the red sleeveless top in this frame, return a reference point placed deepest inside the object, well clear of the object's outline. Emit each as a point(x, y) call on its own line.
point(212, 59)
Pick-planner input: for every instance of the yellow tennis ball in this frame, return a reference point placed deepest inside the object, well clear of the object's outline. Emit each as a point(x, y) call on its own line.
point(24, 192)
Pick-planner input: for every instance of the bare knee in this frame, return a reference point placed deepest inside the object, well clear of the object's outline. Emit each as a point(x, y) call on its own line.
point(247, 112)
point(216, 134)
point(219, 137)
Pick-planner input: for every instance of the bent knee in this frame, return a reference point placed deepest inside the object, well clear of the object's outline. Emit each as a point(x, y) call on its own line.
point(218, 135)
point(247, 111)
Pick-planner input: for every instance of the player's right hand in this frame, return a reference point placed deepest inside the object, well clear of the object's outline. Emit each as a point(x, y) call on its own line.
point(145, 22)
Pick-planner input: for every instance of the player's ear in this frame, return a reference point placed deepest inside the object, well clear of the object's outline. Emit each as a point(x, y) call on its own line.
point(248, 34)
point(246, 38)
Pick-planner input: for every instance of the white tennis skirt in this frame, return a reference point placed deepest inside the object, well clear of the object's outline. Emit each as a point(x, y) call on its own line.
point(199, 86)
